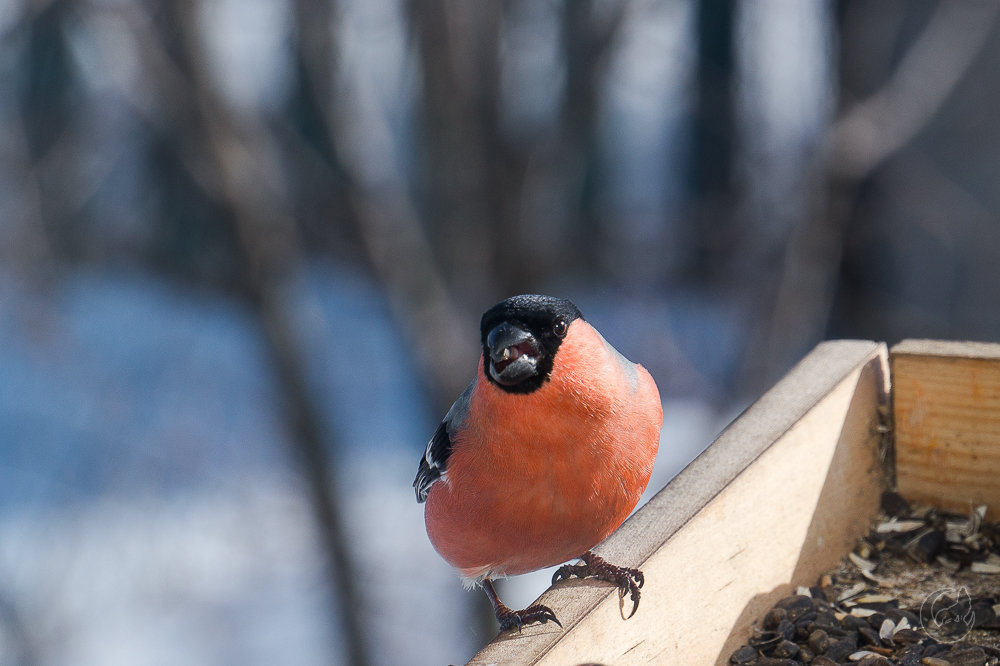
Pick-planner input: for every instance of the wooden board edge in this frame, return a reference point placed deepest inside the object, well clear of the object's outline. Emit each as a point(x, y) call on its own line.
point(945, 348)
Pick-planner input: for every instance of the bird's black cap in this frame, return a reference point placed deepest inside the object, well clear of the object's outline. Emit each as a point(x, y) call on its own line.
point(545, 318)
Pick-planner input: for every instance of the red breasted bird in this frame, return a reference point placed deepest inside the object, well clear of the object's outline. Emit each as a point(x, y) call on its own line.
point(543, 455)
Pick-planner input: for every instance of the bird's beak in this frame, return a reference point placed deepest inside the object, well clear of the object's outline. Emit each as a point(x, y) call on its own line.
point(513, 354)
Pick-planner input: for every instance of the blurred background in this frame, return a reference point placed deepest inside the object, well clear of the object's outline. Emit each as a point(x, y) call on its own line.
point(245, 245)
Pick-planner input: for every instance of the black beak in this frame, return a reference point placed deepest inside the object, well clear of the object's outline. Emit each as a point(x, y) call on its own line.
point(513, 354)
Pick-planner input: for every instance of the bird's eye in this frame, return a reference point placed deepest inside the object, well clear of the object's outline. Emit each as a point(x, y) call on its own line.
point(559, 328)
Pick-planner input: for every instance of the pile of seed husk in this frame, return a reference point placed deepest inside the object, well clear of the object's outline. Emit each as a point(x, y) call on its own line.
point(921, 589)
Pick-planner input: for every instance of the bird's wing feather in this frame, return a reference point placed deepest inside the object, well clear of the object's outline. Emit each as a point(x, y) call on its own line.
point(434, 462)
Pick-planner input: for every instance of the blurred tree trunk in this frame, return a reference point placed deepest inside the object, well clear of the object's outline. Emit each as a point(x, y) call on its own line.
point(712, 236)
point(487, 225)
point(457, 45)
point(46, 93)
point(587, 39)
point(322, 185)
point(241, 178)
point(460, 198)
point(374, 207)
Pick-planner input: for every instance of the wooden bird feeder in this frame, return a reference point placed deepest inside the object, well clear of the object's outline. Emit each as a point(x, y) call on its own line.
point(780, 497)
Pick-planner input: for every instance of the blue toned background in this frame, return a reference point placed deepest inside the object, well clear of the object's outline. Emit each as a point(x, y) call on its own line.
point(244, 247)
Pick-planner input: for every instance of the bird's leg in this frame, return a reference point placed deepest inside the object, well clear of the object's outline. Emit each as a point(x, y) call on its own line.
point(626, 579)
point(509, 619)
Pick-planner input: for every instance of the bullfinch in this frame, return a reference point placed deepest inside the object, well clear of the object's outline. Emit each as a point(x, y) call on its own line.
point(542, 456)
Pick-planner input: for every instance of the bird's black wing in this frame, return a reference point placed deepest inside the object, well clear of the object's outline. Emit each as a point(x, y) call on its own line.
point(434, 462)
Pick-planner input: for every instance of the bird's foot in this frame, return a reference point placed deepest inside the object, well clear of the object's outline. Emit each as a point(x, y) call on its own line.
point(511, 619)
point(515, 619)
point(627, 580)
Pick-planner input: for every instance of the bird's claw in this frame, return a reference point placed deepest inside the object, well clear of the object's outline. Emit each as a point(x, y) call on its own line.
point(632, 588)
point(512, 619)
point(626, 579)
point(567, 571)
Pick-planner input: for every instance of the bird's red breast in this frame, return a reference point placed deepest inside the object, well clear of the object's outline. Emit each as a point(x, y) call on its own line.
point(537, 479)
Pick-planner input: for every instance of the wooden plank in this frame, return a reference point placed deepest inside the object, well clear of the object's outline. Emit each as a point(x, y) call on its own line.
point(776, 499)
point(946, 409)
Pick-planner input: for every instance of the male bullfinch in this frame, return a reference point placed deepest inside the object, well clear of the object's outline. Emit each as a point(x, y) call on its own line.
point(543, 455)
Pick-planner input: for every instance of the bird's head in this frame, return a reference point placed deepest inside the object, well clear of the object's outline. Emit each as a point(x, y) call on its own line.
point(521, 336)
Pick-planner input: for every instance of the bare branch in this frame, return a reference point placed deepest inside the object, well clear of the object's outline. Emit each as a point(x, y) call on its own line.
point(872, 131)
point(394, 241)
point(877, 127)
